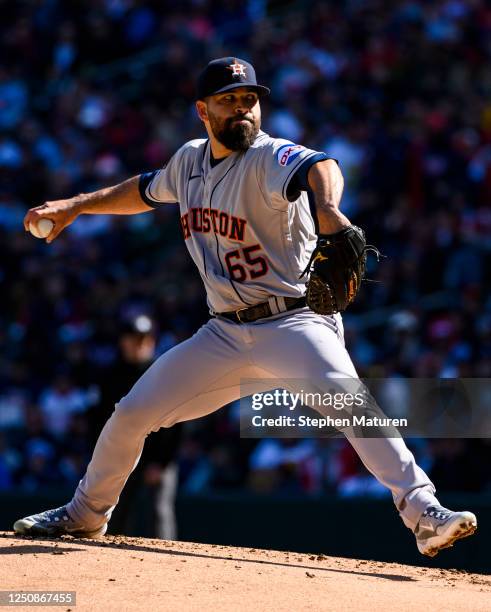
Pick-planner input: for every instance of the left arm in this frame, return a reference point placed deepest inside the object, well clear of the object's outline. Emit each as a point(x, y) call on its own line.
point(327, 183)
point(337, 264)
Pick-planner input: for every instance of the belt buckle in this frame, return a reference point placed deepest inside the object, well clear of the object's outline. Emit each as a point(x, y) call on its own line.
point(237, 314)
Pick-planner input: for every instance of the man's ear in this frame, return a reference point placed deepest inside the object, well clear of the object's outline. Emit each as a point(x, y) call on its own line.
point(201, 110)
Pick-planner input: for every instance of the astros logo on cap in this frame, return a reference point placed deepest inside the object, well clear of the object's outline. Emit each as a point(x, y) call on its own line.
point(237, 69)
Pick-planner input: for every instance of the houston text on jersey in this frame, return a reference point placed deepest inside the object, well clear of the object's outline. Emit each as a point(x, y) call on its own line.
point(206, 220)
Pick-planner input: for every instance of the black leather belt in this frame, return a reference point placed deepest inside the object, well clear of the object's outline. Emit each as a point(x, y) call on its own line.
point(260, 311)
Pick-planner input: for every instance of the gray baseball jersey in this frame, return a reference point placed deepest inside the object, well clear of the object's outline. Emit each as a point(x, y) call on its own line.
point(247, 239)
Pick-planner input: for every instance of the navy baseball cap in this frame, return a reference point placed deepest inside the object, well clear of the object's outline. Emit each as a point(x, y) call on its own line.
point(227, 73)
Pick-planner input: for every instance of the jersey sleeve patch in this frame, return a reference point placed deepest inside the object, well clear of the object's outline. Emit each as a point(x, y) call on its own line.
point(287, 153)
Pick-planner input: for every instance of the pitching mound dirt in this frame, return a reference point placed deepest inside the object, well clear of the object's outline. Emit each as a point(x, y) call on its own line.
point(119, 573)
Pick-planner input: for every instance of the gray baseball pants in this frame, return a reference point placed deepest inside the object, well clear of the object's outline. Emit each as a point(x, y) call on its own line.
point(204, 372)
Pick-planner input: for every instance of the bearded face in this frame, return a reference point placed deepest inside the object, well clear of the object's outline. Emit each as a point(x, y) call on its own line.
point(236, 133)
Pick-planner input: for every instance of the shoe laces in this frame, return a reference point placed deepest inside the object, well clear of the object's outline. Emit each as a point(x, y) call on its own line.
point(56, 515)
point(438, 512)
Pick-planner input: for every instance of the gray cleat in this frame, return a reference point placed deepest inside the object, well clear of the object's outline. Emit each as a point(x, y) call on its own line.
point(55, 522)
point(439, 528)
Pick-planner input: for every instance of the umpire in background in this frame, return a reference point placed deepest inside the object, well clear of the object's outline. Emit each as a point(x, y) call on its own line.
point(156, 475)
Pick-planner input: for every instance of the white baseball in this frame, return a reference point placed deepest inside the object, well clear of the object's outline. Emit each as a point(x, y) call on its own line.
point(42, 229)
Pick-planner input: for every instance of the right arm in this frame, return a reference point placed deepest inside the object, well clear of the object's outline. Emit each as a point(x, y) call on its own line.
point(122, 199)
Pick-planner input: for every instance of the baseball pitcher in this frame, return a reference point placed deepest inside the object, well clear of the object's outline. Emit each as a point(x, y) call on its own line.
point(260, 217)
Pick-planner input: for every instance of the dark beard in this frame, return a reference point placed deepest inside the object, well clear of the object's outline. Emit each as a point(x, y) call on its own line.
point(238, 137)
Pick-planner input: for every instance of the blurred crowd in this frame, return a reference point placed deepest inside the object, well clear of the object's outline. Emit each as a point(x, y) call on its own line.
point(92, 92)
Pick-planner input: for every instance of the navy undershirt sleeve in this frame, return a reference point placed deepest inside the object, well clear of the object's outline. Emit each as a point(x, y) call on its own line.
point(299, 181)
point(143, 183)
